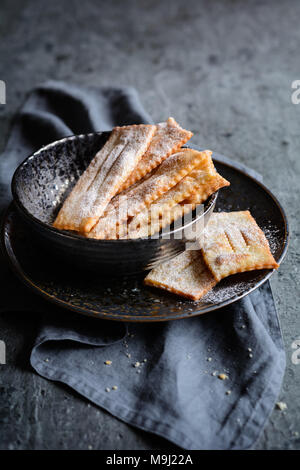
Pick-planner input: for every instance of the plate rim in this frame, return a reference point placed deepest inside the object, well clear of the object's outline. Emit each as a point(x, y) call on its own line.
point(17, 269)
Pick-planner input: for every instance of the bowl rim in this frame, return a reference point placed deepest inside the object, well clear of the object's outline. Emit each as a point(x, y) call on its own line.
point(210, 202)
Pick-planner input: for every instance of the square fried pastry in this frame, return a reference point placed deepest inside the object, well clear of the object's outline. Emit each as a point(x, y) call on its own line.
point(232, 242)
point(104, 176)
point(186, 275)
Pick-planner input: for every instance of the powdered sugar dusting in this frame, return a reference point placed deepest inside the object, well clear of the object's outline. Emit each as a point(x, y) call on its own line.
point(222, 293)
point(136, 198)
point(103, 177)
point(168, 138)
point(271, 232)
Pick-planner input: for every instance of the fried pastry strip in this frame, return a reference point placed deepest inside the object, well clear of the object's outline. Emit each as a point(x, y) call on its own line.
point(232, 242)
point(142, 194)
point(203, 181)
point(102, 179)
point(168, 139)
point(186, 275)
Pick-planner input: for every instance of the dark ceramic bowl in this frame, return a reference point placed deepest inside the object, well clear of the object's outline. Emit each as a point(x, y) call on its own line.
point(41, 184)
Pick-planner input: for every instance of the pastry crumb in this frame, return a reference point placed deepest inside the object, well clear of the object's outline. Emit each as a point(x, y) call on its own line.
point(108, 363)
point(223, 376)
point(281, 405)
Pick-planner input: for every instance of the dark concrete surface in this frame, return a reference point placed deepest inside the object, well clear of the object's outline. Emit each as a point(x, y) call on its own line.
point(224, 70)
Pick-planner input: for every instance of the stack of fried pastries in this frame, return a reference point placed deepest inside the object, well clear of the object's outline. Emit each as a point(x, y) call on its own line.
point(231, 243)
point(139, 181)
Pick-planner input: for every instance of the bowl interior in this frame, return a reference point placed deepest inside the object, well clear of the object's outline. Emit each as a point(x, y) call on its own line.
point(43, 181)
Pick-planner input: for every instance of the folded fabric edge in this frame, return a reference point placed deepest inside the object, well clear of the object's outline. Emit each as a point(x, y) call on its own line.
point(246, 439)
point(119, 411)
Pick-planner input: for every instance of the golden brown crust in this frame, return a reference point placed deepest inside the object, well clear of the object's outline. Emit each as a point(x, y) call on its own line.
point(214, 184)
point(103, 177)
point(232, 242)
point(185, 275)
point(168, 139)
point(193, 189)
point(142, 194)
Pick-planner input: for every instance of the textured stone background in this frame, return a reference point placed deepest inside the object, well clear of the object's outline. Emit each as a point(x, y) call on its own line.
point(224, 70)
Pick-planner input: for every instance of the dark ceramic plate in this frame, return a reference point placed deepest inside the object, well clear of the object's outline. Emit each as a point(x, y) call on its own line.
point(127, 299)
